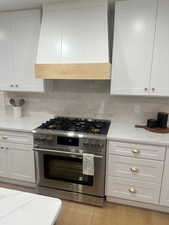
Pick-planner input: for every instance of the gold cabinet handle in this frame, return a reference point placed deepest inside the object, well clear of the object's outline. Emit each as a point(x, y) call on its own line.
point(4, 137)
point(134, 169)
point(132, 190)
point(136, 151)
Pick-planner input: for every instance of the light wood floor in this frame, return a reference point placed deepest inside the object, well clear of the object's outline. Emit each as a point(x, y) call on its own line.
point(111, 214)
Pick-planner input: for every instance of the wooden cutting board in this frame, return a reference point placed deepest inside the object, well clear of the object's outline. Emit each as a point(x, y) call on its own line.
point(154, 130)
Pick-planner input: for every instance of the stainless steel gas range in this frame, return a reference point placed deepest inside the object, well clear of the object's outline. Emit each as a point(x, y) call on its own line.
point(60, 145)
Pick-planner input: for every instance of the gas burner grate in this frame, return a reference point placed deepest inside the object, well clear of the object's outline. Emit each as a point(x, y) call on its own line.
point(90, 126)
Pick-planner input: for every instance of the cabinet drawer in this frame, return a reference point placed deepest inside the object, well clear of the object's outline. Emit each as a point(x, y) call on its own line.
point(132, 190)
point(11, 146)
point(135, 169)
point(16, 137)
point(137, 150)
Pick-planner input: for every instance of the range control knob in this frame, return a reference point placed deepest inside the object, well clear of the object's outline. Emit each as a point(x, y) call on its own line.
point(101, 145)
point(86, 144)
point(49, 138)
point(36, 146)
point(42, 138)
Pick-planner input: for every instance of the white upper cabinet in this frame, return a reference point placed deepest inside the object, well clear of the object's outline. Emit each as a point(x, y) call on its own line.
point(26, 30)
point(6, 53)
point(133, 46)
point(141, 53)
point(160, 67)
point(19, 35)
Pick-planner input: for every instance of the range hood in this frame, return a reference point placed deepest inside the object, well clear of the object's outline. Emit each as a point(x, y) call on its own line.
point(74, 41)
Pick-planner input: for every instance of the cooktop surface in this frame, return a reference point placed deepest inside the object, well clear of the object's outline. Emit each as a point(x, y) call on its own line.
point(81, 125)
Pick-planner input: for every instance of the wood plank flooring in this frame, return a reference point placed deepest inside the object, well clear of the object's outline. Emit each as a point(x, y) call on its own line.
point(111, 214)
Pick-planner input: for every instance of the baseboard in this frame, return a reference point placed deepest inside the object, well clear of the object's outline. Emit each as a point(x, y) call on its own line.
point(138, 204)
point(17, 182)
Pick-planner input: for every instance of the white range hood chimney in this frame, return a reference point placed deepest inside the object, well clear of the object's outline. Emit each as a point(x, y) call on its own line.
point(74, 41)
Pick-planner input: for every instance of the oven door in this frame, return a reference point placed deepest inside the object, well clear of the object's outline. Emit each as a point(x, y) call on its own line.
point(64, 170)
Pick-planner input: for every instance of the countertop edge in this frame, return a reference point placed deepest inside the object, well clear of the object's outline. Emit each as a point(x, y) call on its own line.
point(15, 130)
point(138, 141)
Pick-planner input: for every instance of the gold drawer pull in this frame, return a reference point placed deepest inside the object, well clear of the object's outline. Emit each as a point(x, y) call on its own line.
point(136, 151)
point(134, 169)
point(132, 190)
point(4, 137)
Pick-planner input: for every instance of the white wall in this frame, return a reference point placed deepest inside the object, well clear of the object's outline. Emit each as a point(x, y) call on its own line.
point(89, 99)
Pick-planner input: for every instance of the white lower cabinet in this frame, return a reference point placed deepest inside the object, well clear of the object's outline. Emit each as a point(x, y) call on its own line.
point(17, 157)
point(135, 173)
point(133, 190)
point(140, 151)
point(164, 200)
point(137, 169)
point(3, 162)
point(16, 137)
point(21, 163)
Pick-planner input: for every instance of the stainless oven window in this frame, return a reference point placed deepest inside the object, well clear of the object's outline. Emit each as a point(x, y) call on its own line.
point(68, 169)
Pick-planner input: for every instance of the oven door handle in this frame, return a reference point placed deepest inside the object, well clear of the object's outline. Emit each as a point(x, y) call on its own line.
point(63, 152)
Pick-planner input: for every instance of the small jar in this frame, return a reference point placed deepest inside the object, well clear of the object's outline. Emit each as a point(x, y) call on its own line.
point(17, 111)
point(152, 123)
point(162, 119)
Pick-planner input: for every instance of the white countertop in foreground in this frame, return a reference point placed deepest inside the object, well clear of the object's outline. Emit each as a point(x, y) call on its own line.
point(25, 124)
point(127, 132)
point(21, 208)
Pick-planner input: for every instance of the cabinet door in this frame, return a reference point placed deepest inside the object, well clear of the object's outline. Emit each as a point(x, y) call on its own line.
point(160, 68)
point(3, 161)
point(164, 200)
point(133, 47)
point(6, 53)
point(85, 34)
point(21, 163)
point(25, 35)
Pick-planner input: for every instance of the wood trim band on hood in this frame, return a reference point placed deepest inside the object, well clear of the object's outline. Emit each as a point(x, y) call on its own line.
point(86, 71)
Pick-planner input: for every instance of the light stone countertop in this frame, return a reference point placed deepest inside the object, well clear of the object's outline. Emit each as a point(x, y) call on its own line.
point(24, 124)
point(117, 132)
point(128, 133)
point(21, 208)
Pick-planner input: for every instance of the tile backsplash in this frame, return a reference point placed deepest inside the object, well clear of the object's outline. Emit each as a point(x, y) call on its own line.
point(87, 99)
